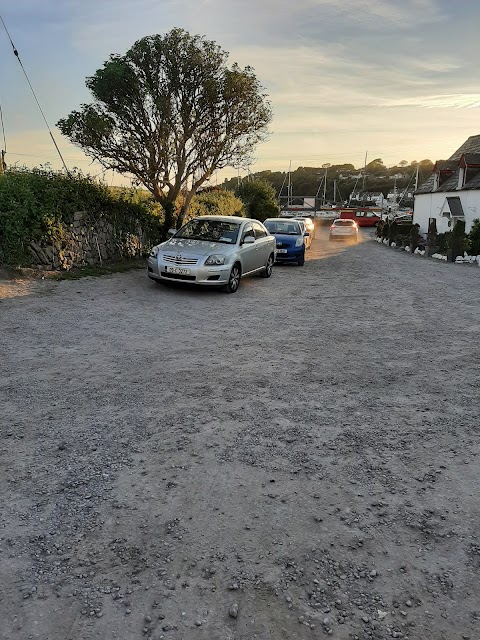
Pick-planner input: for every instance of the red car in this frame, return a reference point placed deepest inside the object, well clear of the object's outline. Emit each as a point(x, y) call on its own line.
point(363, 217)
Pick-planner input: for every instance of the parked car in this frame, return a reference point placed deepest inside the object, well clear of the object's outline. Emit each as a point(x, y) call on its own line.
point(362, 217)
point(308, 238)
point(344, 230)
point(290, 238)
point(214, 250)
point(406, 217)
point(309, 223)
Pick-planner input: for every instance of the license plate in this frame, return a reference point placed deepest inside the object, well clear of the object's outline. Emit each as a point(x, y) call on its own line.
point(178, 270)
point(282, 251)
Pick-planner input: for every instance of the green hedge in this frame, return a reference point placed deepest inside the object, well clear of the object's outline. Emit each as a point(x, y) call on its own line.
point(37, 204)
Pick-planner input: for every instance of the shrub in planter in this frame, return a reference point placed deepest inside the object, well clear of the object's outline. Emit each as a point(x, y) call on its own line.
point(432, 246)
point(385, 229)
point(414, 237)
point(442, 241)
point(392, 231)
point(458, 241)
point(474, 238)
point(402, 240)
point(403, 228)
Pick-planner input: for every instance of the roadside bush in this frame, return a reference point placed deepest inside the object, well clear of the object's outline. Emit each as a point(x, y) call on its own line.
point(379, 229)
point(458, 241)
point(259, 198)
point(36, 205)
point(474, 238)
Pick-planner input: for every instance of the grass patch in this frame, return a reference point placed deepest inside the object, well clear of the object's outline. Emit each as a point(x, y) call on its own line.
point(95, 271)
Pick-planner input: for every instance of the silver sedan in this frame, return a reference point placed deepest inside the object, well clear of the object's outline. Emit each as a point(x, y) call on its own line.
point(214, 250)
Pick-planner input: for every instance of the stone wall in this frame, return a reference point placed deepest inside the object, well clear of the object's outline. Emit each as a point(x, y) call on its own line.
point(82, 243)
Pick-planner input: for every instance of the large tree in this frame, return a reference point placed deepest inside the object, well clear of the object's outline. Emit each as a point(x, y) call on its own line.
point(171, 112)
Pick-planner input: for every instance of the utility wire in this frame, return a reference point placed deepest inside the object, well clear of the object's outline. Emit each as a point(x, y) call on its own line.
point(15, 52)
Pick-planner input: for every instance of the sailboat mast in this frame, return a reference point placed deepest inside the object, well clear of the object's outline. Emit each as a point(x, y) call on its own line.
point(289, 198)
point(364, 176)
point(325, 188)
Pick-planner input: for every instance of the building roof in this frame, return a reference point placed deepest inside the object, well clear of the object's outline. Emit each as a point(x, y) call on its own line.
point(471, 158)
point(474, 183)
point(450, 184)
point(472, 145)
point(470, 150)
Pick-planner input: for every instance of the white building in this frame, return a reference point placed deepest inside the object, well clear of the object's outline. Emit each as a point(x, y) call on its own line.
point(452, 192)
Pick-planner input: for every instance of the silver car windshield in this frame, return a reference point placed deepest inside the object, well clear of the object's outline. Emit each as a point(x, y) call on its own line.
point(210, 230)
point(289, 228)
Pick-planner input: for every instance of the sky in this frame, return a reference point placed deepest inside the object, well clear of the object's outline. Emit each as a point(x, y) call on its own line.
point(396, 79)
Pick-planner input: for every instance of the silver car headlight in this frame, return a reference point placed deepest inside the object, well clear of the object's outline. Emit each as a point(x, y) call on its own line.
point(215, 259)
point(153, 252)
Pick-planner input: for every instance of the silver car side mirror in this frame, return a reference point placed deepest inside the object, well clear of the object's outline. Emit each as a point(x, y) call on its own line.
point(171, 232)
point(248, 240)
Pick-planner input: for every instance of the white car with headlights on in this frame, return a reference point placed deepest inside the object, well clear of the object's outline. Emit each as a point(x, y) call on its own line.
point(214, 250)
point(344, 230)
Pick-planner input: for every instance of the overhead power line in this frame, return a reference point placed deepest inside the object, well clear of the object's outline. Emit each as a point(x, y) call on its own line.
point(16, 54)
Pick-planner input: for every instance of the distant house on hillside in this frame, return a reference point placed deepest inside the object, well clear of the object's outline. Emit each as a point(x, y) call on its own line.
point(374, 197)
point(452, 192)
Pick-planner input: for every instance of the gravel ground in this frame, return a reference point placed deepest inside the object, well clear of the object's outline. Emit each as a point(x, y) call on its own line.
point(294, 461)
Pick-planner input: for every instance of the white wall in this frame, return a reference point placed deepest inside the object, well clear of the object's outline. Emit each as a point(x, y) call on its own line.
point(429, 205)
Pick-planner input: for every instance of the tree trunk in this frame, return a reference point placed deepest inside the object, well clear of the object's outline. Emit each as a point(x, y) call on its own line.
point(184, 209)
point(169, 221)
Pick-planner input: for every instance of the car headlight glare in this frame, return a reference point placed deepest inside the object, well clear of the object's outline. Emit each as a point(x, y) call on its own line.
point(215, 260)
point(299, 242)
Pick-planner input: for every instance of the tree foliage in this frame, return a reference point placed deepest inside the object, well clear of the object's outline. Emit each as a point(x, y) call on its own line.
point(213, 201)
point(259, 198)
point(171, 112)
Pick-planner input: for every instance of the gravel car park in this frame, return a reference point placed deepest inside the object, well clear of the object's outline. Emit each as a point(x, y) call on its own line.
point(295, 462)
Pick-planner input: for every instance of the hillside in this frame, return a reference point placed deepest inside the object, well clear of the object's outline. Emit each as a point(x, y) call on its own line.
point(306, 181)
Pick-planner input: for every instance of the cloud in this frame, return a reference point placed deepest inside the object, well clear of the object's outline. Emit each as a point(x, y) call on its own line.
point(447, 101)
point(389, 12)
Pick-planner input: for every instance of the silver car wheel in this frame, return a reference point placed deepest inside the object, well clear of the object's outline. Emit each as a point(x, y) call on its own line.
point(234, 279)
point(267, 271)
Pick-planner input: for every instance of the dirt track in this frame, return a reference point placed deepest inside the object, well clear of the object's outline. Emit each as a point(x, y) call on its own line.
point(306, 449)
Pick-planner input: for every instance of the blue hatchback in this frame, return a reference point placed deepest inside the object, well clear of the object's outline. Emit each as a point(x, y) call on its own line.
point(290, 239)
